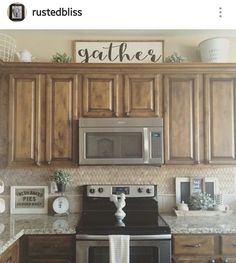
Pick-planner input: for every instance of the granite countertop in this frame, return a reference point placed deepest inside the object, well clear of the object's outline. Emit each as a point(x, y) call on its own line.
point(201, 225)
point(12, 227)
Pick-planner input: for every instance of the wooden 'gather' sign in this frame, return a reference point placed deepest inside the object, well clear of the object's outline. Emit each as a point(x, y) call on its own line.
point(118, 51)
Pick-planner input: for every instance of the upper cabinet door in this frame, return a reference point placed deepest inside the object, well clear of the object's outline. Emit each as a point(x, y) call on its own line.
point(220, 118)
point(143, 96)
point(181, 118)
point(100, 95)
point(24, 119)
point(61, 117)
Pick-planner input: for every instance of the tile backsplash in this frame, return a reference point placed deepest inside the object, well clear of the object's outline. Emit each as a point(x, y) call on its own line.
point(164, 177)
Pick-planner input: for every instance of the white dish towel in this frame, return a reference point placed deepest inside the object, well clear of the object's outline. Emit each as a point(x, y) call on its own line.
point(119, 248)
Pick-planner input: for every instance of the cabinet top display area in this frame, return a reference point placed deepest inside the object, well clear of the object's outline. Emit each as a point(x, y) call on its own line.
point(117, 67)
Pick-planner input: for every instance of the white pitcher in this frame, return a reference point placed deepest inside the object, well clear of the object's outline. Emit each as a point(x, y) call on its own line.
point(24, 56)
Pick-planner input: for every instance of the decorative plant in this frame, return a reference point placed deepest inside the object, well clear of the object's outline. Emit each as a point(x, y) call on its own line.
point(61, 58)
point(201, 201)
point(174, 58)
point(60, 177)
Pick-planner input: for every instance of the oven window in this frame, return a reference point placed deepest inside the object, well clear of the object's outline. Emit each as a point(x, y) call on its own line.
point(137, 255)
point(114, 145)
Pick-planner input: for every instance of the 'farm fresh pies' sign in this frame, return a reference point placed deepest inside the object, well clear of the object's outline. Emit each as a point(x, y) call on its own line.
point(29, 199)
point(118, 51)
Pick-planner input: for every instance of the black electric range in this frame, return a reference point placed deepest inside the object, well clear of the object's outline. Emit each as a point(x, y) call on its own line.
point(150, 236)
point(142, 215)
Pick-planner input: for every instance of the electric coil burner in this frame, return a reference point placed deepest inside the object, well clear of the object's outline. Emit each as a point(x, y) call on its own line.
point(150, 236)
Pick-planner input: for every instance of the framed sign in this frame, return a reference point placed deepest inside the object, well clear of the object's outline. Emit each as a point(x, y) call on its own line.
point(196, 186)
point(183, 188)
point(119, 51)
point(29, 199)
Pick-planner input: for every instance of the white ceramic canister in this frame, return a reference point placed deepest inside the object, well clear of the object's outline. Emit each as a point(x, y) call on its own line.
point(183, 207)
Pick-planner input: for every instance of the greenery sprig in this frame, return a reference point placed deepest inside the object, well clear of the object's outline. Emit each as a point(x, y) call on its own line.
point(60, 176)
point(61, 58)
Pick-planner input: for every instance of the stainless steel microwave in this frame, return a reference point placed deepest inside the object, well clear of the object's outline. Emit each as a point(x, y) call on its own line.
point(120, 141)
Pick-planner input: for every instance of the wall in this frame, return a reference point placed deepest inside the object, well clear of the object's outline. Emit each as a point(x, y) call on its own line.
point(44, 43)
point(37, 43)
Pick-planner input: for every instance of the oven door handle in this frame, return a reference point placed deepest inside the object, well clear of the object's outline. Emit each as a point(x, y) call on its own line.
point(136, 237)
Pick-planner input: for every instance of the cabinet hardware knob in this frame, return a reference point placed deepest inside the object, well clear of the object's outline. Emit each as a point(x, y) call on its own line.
point(194, 245)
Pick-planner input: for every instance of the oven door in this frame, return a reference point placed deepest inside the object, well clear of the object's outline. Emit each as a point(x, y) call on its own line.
point(148, 249)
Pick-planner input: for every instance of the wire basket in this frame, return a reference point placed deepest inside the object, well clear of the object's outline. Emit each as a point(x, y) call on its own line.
point(7, 48)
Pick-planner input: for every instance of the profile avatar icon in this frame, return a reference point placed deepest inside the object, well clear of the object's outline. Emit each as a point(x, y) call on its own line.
point(16, 12)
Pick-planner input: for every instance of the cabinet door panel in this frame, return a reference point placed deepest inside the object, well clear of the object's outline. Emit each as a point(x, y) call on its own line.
point(143, 95)
point(100, 95)
point(11, 255)
point(181, 119)
point(61, 115)
point(220, 112)
point(228, 244)
point(24, 119)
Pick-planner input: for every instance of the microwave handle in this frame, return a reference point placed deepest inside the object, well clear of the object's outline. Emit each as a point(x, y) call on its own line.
point(146, 145)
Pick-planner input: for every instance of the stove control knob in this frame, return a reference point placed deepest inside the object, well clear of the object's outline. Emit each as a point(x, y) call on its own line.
point(100, 190)
point(91, 190)
point(149, 191)
point(140, 190)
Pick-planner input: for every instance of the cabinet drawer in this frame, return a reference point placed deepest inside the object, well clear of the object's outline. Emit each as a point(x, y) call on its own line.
point(50, 245)
point(193, 245)
point(50, 260)
point(228, 244)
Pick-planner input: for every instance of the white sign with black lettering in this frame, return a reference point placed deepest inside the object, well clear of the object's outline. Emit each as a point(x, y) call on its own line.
point(119, 51)
point(29, 199)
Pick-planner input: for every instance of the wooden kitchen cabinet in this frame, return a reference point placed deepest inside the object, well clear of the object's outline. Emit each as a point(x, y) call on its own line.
point(109, 95)
point(25, 93)
point(220, 122)
point(11, 255)
point(197, 248)
point(48, 248)
point(181, 118)
point(143, 95)
point(101, 95)
point(61, 118)
point(43, 115)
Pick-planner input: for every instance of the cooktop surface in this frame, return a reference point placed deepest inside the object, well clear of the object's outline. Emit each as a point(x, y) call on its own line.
point(135, 223)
